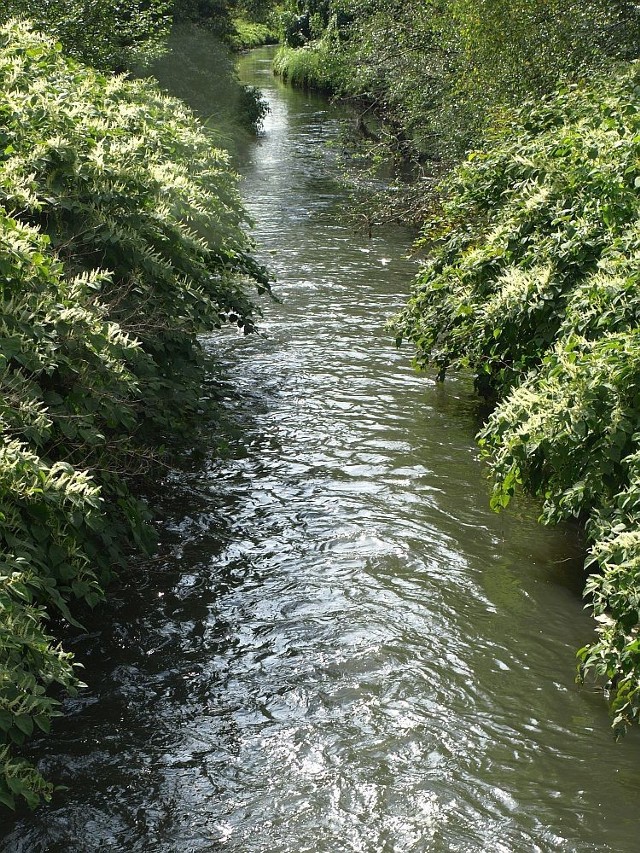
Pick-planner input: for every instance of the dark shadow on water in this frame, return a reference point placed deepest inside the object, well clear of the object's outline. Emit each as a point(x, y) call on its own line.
point(200, 70)
point(153, 657)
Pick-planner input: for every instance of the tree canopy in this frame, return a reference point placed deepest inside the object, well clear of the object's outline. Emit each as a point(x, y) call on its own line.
point(438, 73)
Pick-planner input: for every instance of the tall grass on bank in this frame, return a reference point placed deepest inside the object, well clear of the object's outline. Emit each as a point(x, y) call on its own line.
point(308, 68)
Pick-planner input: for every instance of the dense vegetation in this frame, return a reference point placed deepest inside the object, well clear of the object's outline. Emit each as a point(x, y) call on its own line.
point(107, 35)
point(532, 284)
point(121, 238)
point(426, 80)
point(436, 74)
point(119, 36)
point(239, 23)
point(187, 45)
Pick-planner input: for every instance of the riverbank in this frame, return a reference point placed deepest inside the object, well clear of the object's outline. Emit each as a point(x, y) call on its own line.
point(536, 293)
point(307, 68)
point(105, 289)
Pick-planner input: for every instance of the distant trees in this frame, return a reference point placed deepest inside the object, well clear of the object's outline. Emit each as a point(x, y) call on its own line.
point(506, 51)
point(438, 72)
point(107, 35)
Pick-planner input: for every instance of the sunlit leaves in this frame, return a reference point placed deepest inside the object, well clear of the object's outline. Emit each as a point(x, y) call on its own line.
point(430, 76)
point(532, 283)
point(121, 240)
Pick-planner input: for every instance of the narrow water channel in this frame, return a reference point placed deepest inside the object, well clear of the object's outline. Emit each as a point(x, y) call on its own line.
point(341, 648)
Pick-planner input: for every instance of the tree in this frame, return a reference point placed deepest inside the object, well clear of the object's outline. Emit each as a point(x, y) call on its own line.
point(107, 35)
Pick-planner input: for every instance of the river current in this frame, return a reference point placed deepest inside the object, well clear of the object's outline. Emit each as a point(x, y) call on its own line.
point(339, 649)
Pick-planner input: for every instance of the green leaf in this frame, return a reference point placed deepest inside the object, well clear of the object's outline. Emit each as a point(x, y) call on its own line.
point(24, 723)
point(7, 800)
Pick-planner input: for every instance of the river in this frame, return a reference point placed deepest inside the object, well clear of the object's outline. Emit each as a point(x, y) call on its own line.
point(339, 648)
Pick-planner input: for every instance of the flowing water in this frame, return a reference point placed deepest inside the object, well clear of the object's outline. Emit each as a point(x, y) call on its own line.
point(340, 648)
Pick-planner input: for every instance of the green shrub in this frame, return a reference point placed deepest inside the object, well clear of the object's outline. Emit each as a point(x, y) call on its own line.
point(532, 283)
point(121, 239)
point(248, 34)
point(106, 35)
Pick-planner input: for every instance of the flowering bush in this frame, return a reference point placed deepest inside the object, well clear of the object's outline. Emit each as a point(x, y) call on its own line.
point(121, 239)
point(532, 283)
